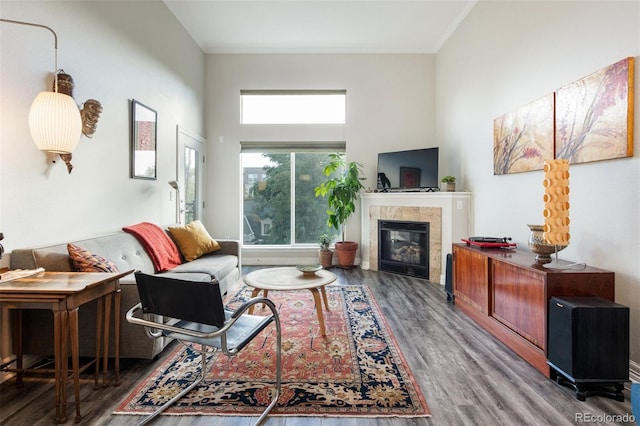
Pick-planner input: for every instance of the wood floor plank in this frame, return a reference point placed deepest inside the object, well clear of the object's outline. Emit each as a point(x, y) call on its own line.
point(466, 375)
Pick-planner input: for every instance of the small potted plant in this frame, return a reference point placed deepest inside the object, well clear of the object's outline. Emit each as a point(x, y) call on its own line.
point(450, 183)
point(325, 254)
point(342, 192)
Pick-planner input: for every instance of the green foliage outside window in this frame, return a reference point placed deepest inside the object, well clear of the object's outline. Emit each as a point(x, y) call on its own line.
point(270, 199)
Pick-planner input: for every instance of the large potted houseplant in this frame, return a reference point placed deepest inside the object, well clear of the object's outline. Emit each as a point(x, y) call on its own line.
point(342, 189)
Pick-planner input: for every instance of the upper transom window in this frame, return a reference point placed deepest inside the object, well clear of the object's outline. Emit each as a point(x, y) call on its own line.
point(293, 106)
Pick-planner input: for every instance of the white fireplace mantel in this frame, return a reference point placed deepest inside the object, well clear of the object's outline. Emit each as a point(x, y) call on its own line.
point(447, 212)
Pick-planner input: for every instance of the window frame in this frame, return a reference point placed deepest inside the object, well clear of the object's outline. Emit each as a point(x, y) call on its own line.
point(289, 148)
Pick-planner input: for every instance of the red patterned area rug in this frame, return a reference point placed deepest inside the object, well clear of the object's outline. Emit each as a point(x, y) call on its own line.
point(356, 371)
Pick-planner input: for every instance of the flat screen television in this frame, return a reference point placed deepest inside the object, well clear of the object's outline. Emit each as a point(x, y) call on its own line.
point(412, 170)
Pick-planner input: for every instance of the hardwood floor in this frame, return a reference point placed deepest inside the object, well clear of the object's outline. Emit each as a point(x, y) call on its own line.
point(467, 376)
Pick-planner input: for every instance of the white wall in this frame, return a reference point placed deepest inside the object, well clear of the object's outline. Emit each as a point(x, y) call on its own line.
point(507, 54)
point(115, 51)
point(389, 107)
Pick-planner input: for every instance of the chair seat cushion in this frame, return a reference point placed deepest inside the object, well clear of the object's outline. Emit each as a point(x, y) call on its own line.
point(238, 335)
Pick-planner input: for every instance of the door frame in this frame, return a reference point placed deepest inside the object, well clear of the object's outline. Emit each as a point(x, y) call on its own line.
point(185, 138)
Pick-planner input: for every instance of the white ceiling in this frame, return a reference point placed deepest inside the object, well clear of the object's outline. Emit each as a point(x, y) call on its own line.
point(320, 26)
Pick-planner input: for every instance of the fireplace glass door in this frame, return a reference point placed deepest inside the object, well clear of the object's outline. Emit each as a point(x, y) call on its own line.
point(404, 247)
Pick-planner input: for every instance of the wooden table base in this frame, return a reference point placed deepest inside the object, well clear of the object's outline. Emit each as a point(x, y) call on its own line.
point(316, 298)
point(63, 293)
point(292, 279)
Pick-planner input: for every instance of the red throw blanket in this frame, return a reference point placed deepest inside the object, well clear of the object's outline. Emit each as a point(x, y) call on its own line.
point(161, 249)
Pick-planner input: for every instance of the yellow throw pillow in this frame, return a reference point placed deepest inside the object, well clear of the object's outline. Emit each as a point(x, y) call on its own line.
point(193, 240)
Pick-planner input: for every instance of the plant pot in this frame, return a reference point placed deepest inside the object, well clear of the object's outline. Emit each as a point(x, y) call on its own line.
point(451, 187)
point(326, 258)
point(346, 252)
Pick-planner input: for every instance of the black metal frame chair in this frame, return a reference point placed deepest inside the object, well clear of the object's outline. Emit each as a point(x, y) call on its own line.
point(198, 316)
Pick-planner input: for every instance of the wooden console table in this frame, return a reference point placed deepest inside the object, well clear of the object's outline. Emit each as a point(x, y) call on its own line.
point(63, 293)
point(507, 293)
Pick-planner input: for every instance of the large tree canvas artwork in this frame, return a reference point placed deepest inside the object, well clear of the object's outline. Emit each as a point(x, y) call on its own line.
point(594, 115)
point(523, 139)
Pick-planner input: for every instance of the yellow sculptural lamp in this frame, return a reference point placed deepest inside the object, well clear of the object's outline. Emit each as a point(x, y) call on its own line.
point(556, 209)
point(54, 119)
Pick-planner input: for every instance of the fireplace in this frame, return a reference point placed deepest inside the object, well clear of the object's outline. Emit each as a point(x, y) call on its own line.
point(446, 212)
point(403, 247)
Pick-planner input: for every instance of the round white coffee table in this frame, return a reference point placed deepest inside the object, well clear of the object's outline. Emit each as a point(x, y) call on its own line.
point(290, 278)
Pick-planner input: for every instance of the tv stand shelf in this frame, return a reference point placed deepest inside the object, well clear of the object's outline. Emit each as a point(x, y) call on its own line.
point(507, 293)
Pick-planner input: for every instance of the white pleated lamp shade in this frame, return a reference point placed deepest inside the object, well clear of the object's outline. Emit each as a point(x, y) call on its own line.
point(55, 122)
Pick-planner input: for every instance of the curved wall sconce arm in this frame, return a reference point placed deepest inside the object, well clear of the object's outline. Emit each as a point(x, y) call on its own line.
point(55, 42)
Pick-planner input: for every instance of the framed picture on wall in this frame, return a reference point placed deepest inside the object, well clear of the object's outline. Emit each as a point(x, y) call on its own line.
point(144, 123)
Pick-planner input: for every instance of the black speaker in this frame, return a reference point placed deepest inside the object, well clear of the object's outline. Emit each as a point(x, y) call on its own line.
point(588, 345)
point(448, 279)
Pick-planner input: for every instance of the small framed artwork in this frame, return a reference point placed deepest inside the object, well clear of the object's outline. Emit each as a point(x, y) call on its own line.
point(144, 123)
point(594, 115)
point(409, 177)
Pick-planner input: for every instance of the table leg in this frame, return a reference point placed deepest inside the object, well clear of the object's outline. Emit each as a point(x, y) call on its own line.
point(324, 297)
point(116, 335)
point(99, 316)
point(60, 364)
point(75, 361)
point(19, 355)
point(316, 298)
point(107, 322)
point(254, 293)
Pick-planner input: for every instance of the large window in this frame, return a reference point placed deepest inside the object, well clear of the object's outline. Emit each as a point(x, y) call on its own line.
point(279, 204)
point(279, 178)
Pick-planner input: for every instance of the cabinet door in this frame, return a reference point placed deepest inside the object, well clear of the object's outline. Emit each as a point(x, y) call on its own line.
point(519, 301)
point(471, 278)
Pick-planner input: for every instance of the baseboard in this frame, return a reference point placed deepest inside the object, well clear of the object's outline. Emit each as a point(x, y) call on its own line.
point(282, 256)
point(277, 261)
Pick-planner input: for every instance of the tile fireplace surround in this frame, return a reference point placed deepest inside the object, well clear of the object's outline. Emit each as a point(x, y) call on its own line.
point(446, 212)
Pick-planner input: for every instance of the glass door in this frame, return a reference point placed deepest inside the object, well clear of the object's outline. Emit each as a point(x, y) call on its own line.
point(191, 151)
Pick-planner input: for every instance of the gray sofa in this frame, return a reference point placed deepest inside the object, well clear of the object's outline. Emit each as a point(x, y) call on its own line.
point(127, 253)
